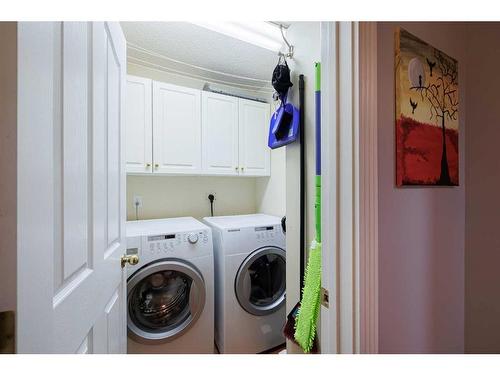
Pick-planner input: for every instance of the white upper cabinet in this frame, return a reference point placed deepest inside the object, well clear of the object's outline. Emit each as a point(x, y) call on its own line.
point(139, 125)
point(176, 129)
point(254, 154)
point(219, 134)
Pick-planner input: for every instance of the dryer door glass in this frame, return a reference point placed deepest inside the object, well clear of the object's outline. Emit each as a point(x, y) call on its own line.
point(261, 281)
point(164, 300)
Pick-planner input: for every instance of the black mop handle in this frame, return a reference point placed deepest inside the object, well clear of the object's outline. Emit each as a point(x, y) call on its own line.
point(302, 135)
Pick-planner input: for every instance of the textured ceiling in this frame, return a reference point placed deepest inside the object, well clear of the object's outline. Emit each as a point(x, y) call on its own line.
point(208, 51)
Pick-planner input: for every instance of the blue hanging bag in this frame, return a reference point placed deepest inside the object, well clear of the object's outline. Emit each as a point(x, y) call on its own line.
point(284, 124)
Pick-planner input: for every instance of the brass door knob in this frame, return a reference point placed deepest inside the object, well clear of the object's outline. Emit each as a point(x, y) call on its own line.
point(130, 259)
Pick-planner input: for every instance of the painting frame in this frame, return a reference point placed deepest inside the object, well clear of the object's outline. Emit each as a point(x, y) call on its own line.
point(426, 114)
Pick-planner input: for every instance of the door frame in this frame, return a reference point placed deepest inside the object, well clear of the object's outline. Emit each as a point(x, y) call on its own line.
point(349, 174)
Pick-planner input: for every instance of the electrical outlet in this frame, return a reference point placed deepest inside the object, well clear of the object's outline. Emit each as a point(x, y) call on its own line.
point(137, 201)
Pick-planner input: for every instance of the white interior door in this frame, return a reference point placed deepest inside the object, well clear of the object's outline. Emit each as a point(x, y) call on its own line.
point(254, 155)
point(71, 188)
point(220, 133)
point(139, 125)
point(176, 129)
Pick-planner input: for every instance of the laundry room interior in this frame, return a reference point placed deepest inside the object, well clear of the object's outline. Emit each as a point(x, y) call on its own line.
point(185, 178)
point(247, 187)
point(201, 168)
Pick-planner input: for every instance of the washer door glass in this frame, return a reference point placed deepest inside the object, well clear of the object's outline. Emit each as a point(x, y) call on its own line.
point(261, 281)
point(164, 300)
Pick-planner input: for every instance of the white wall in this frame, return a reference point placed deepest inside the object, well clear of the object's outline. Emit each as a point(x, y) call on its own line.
point(270, 192)
point(173, 196)
point(305, 36)
point(8, 165)
point(187, 196)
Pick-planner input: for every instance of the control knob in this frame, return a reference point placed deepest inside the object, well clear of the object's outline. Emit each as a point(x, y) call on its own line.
point(193, 238)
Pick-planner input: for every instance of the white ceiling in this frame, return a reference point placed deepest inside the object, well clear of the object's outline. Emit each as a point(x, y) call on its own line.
point(192, 47)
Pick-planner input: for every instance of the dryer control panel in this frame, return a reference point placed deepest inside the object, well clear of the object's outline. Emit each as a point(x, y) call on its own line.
point(264, 234)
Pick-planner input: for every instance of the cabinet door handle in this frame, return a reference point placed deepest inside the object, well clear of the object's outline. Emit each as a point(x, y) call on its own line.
point(148, 165)
point(236, 169)
point(241, 169)
point(156, 166)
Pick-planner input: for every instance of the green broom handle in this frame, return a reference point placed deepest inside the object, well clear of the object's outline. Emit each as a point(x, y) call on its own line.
point(317, 205)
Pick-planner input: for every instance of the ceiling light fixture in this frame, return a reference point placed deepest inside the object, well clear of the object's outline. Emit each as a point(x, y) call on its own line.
point(260, 33)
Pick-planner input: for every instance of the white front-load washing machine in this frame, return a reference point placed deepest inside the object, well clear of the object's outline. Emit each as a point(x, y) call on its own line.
point(170, 292)
point(250, 282)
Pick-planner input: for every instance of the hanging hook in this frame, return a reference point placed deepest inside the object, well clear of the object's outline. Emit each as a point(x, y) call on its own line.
point(289, 54)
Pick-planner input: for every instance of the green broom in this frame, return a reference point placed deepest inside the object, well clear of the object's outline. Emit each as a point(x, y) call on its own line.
point(307, 316)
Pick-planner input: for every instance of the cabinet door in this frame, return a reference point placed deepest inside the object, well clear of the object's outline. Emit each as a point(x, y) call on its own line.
point(139, 125)
point(219, 134)
point(176, 129)
point(254, 155)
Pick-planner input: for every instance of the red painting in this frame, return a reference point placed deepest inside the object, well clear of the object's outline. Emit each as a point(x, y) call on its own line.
point(426, 114)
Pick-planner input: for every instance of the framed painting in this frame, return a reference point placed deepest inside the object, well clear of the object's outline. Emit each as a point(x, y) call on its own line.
point(426, 114)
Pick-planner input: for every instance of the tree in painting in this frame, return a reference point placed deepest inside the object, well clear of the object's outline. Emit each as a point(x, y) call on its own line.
point(427, 114)
point(443, 101)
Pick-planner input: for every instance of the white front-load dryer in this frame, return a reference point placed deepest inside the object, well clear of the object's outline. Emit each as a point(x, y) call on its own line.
point(170, 292)
point(250, 282)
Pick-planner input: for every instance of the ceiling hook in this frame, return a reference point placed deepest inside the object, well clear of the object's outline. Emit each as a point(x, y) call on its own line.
point(289, 54)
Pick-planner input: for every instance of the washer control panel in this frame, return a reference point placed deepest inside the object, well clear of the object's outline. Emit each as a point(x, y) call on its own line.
point(267, 233)
point(168, 243)
point(192, 238)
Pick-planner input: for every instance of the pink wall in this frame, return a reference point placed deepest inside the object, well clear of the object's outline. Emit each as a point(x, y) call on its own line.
point(482, 257)
point(421, 230)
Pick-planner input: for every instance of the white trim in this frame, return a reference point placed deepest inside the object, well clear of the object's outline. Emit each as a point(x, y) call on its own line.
point(340, 323)
point(143, 57)
point(369, 188)
point(329, 42)
point(346, 184)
